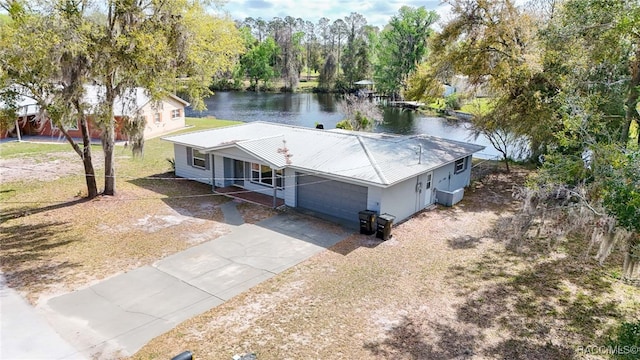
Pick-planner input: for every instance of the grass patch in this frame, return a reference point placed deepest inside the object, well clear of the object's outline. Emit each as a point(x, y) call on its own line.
point(204, 123)
point(306, 86)
point(13, 149)
point(477, 106)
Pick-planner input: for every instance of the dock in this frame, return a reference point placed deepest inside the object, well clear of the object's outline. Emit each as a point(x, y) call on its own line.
point(413, 105)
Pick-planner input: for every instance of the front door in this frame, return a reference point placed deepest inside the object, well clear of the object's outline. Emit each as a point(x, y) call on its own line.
point(427, 189)
point(423, 191)
point(238, 172)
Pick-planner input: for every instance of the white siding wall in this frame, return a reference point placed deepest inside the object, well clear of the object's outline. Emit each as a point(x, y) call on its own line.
point(400, 200)
point(184, 170)
point(263, 189)
point(167, 123)
point(218, 163)
point(445, 179)
point(290, 187)
point(374, 198)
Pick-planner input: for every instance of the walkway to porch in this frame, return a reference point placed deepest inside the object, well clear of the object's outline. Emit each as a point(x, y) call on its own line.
point(248, 196)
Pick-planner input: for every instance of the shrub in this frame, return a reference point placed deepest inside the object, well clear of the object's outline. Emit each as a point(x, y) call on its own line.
point(626, 341)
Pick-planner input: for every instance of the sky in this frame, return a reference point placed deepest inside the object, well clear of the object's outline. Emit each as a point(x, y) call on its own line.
point(377, 13)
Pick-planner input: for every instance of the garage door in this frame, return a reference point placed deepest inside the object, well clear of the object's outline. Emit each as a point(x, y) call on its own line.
point(331, 197)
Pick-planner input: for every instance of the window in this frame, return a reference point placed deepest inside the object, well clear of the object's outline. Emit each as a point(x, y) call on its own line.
point(279, 178)
point(428, 183)
point(198, 159)
point(255, 172)
point(175, 114)
point(157, 118)
point(460, 166)
point(266, 175)
point(72, 126)
point(263, 174)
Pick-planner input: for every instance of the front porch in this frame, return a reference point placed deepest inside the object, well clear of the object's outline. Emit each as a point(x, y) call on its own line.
point(249, 196)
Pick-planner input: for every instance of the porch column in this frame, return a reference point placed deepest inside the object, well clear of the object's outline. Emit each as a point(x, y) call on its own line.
point(275, 189)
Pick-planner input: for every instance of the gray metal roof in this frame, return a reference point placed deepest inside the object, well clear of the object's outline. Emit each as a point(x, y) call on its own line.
point(378, 159)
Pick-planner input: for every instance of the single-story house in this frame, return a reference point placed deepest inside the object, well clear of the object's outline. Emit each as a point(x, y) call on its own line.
point(161, 116)
point(333, 172)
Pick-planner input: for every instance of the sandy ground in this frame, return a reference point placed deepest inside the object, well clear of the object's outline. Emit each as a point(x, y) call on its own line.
point(444, 287)
point(47, 168)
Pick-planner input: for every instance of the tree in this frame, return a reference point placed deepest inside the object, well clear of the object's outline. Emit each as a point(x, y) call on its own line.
point(310, 42)
point(258, 63)
point(323, 33)
point(607, 37)
point(495, 45)
point(402, 46)
point(338, 32)
point(45, 57)
point(159, 46)
point(355, 64)
point(289, 39)
point(328, 74)
point(621, 200)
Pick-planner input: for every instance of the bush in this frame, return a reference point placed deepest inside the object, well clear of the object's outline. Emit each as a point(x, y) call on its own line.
point(225, 84)
point(344, 125)
point(452, 102)
point(626, 341)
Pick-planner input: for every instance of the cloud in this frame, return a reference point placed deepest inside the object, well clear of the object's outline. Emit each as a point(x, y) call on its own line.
point(377, 13)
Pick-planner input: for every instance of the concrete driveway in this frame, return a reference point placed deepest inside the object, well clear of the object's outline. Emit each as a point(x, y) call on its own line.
point(123, 313)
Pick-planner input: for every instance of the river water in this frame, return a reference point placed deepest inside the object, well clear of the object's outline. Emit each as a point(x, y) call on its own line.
point(308, 109)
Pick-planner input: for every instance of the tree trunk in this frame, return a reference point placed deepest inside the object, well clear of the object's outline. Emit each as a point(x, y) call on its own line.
point(85, 153)
point(631, 269)
point(109, 164)
point(631, 265)
point(632, 100)
point(506, 162)
point(87, 160)
point(108, 141)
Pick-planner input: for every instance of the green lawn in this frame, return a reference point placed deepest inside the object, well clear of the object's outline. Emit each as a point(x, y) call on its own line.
point(17, 149)
point(477, 106)
point(154, 160)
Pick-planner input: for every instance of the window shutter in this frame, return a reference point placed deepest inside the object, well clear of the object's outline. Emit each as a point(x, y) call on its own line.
point(189, 156)
point(207, 162)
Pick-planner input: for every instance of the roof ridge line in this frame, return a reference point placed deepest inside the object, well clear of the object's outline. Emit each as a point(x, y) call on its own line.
point(372, 161)
point(260, 138)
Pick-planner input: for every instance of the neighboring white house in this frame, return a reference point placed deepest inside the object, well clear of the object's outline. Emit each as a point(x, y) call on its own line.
point(332, 172)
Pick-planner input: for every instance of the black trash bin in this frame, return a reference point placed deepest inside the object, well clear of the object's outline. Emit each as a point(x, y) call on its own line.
point(367, 222)
point(384, 223)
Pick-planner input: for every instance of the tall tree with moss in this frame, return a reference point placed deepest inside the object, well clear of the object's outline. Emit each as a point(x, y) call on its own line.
point(402, 46)
point(151, 44)
point(495, 45)
point(359, 49)
point(159, 46)
point(45, 56)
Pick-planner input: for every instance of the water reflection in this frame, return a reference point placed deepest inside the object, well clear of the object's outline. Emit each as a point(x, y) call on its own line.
point(307, 109)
